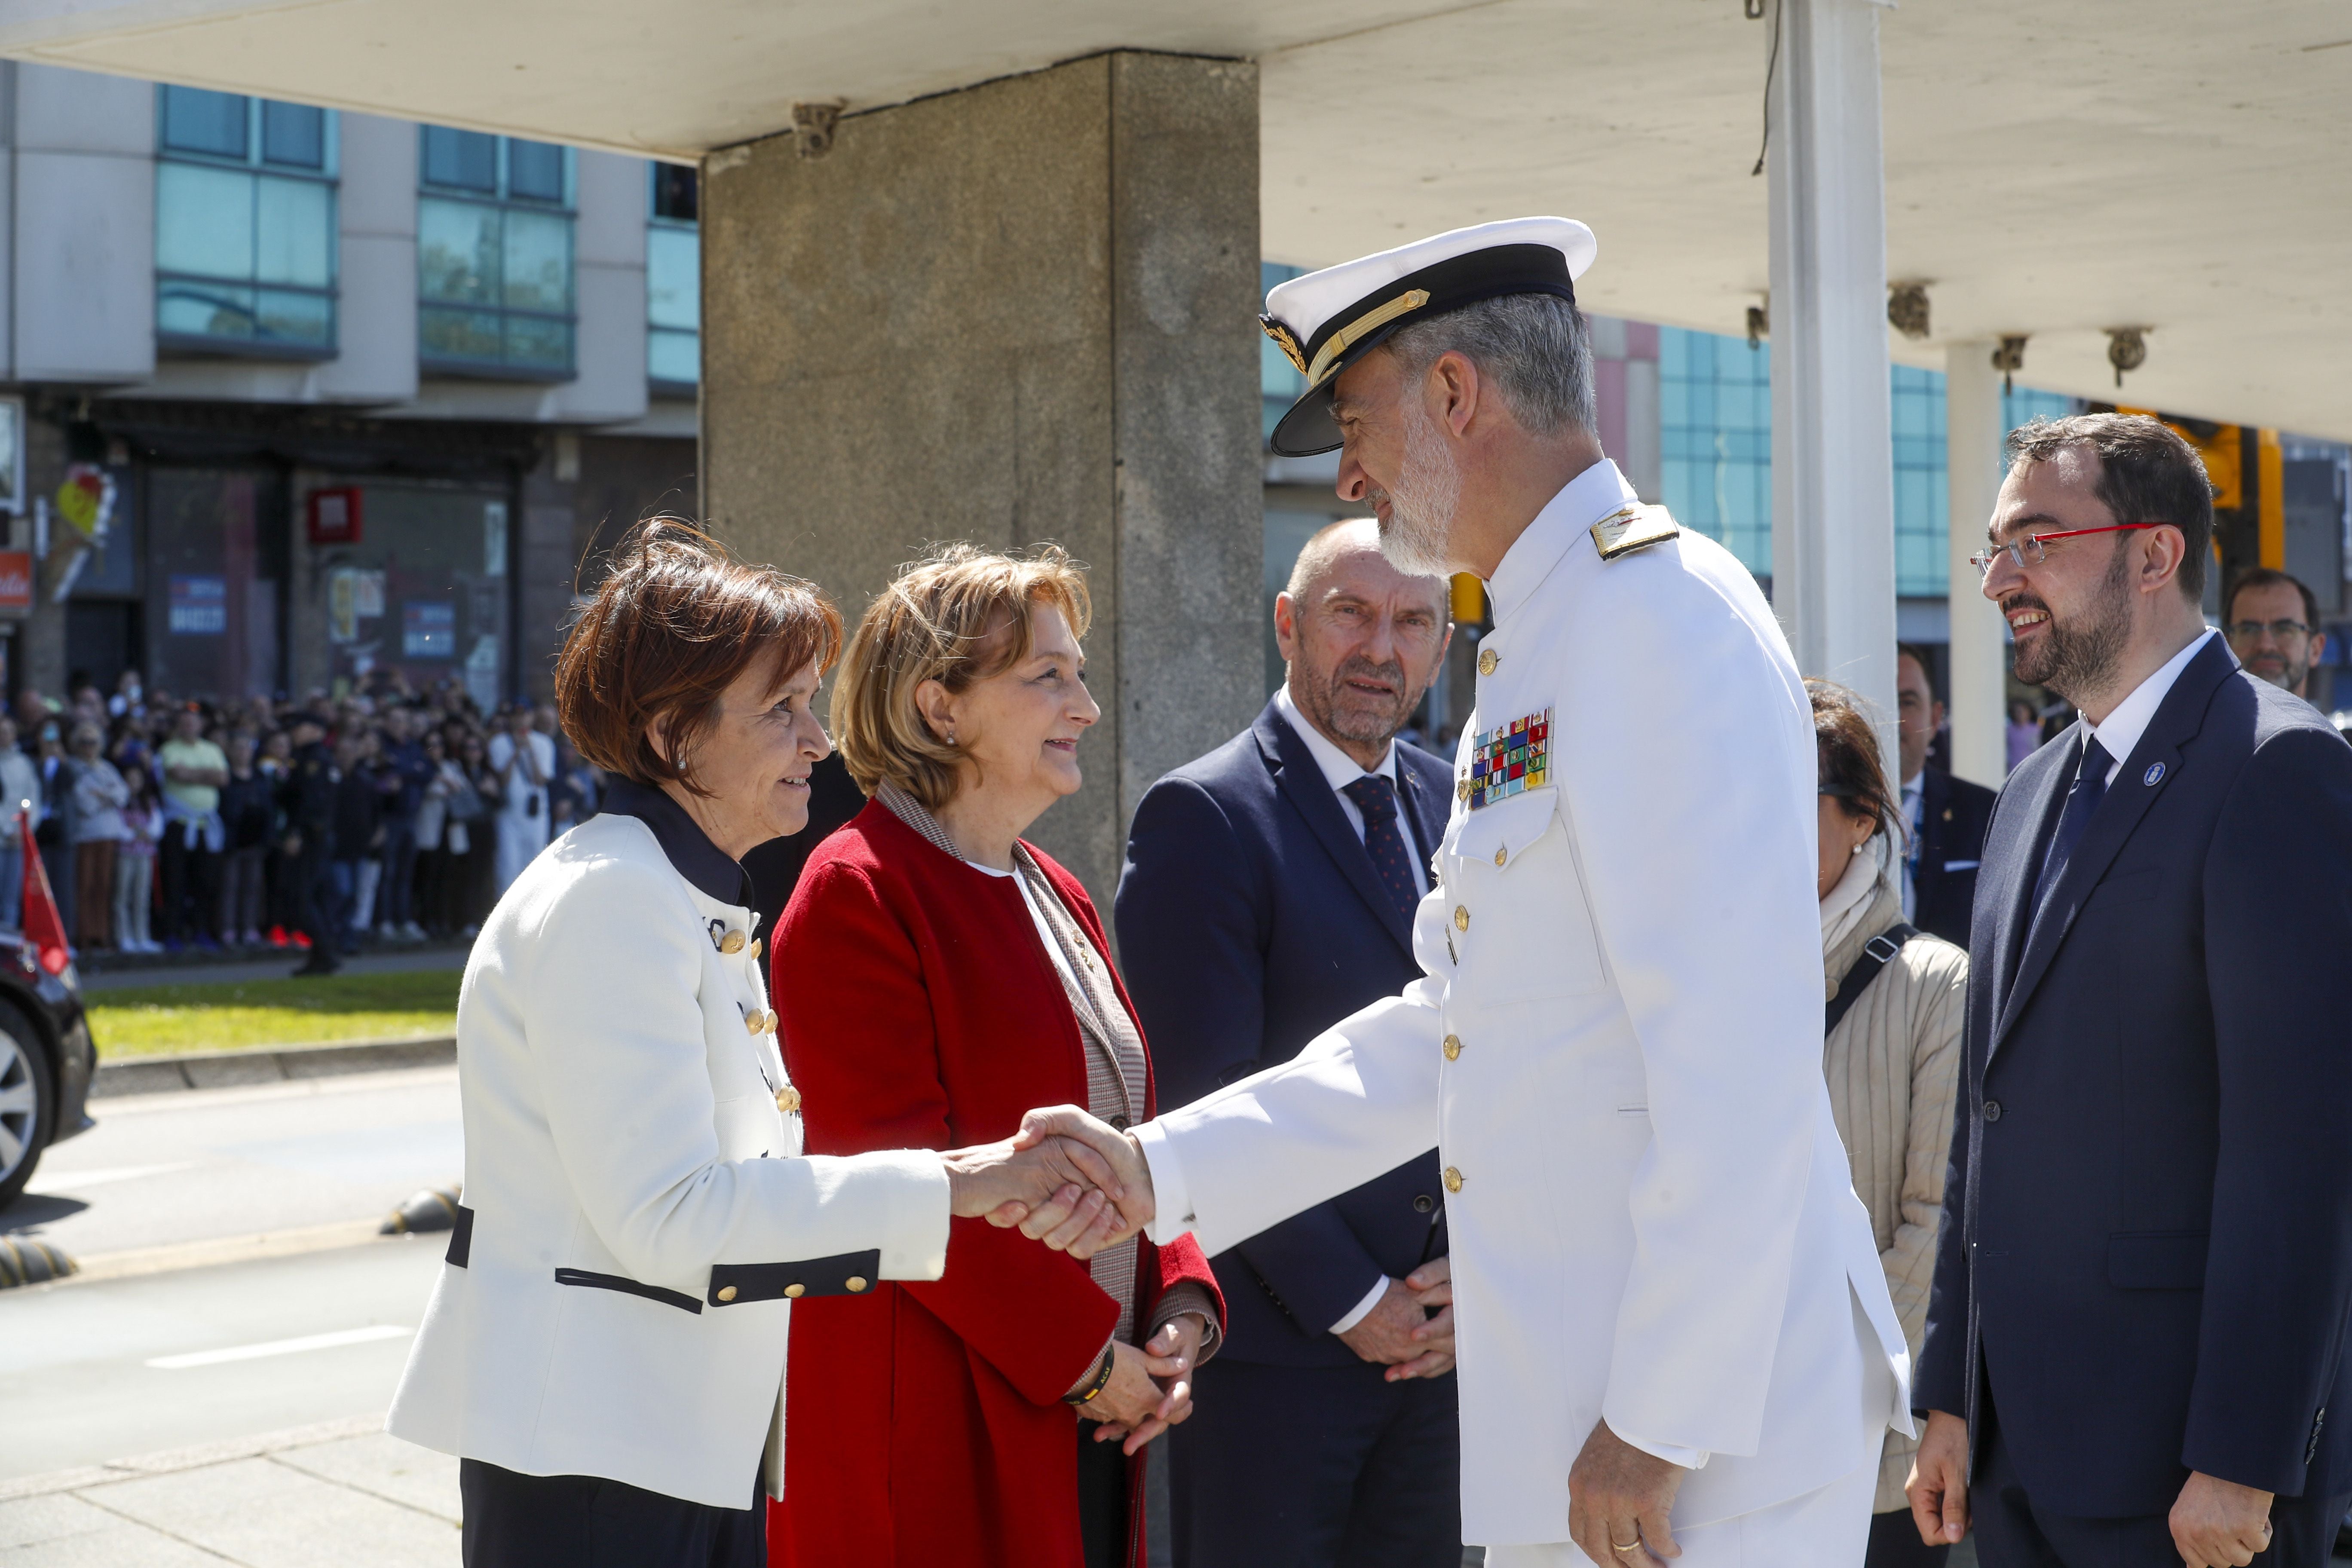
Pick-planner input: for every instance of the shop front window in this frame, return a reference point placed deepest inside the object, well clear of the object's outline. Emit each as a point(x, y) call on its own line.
point(673, 280)
point(245, 225)
point(494, 257)
point(423, 591)
point(215, 558)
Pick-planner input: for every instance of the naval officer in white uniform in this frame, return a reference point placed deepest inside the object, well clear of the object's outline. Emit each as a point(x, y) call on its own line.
point(1674, 1337)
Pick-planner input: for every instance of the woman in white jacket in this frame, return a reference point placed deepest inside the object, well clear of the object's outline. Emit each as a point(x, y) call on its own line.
point(606, 1347)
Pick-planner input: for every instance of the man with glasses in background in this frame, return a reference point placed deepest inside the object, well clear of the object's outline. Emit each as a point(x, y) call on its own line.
point(2134, 1347)
point(2272, 622)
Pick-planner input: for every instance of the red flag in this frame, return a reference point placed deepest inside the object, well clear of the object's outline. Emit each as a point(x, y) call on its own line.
point(44, 927)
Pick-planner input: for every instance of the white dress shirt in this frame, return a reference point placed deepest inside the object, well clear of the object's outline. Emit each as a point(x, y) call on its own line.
point(1339, 771)
point(2129, 720)
point(1915, 812)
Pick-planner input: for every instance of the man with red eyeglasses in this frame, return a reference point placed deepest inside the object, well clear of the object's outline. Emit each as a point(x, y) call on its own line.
point(2135, 1349)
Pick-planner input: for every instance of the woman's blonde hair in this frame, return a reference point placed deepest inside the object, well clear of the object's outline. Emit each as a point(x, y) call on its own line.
point(958, 616)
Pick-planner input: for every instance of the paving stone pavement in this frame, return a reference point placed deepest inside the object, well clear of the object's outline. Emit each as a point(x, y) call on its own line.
point(318, 1496)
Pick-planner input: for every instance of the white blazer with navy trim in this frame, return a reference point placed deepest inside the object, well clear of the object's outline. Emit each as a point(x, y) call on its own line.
point(637, 1208)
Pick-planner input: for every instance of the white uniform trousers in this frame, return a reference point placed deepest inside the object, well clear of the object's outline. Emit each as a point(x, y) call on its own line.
point(1826, 1528)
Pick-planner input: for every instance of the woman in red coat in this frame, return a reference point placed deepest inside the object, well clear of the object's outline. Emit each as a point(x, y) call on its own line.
point(936, 977)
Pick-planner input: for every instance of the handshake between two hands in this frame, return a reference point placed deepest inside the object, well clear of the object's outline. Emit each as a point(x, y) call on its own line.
point(1066, 1178)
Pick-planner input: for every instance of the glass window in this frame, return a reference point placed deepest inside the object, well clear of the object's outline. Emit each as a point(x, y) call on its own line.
point(196, 121)
point(245, 225)
point(461, 160)
point(534, 172)
point(1714, 401)
point(674, 280)
point(494, 253)
point(293, 135)
point(677, 193)
point(1715, 439)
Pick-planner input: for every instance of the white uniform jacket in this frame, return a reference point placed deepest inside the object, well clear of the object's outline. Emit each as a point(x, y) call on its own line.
point(1616, 1049)
point(637, 1209)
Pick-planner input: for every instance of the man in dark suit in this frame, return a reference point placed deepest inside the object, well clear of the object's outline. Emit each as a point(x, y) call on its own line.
point(1946, 816)
point(2135, 1349)
point(1267, 894)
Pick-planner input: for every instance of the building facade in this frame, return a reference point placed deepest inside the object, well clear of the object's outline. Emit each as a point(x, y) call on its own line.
point(289, 396)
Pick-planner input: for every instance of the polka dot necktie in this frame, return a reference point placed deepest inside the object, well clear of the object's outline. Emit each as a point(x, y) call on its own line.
point(1398, 867)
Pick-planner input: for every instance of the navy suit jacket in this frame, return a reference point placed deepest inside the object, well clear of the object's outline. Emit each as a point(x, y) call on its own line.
point(2147, 1249)
point(1954, 815)
point(1250, 920)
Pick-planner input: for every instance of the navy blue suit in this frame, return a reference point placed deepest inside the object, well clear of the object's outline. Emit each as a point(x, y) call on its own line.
point(1250, 919)
point(2146, 1262)
point(1954, 815)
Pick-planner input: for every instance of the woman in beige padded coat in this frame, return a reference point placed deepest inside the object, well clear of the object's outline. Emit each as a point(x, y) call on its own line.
point(1893, 1059)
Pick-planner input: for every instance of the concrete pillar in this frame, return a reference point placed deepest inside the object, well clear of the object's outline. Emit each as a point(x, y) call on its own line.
point(1017, 313)
point(1832, 461)
point(1980, 645)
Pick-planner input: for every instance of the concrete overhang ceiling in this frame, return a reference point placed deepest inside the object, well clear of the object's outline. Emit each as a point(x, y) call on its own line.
point(2052, 169)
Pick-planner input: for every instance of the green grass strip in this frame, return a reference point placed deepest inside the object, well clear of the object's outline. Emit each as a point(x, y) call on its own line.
point(255, 1015)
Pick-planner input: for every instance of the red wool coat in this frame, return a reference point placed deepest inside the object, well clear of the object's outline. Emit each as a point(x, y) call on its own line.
point(924, 1420)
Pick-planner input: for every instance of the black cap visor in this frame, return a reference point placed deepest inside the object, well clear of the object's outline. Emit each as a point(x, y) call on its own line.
point(1308, 428)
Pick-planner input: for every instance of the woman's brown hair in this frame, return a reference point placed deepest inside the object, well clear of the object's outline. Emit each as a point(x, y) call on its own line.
point(1848, 748)
point(675, 621)
point(958, 616)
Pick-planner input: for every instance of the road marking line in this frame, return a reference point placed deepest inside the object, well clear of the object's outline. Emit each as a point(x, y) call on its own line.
point(70, 1181)
point(281, 1347)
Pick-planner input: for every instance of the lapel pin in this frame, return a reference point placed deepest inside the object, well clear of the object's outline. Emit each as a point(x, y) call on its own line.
point(2154, 776)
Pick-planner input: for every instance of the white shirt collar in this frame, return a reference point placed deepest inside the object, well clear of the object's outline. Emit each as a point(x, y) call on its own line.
point(2129, 720)
point(1581, 502)
point(1339, 769)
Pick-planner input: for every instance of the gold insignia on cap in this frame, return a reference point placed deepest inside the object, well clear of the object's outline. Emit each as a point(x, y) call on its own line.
point(1284, 341)
point(1632, 527)
point(1328, 357)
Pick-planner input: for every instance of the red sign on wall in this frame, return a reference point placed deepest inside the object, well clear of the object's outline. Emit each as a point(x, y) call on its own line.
point(16, 582)
point(335, 517)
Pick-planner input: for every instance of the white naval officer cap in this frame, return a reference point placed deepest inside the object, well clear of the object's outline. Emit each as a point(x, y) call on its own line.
point(1327, 321)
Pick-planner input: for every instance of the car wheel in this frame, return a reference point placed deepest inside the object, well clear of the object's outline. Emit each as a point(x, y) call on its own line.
point(28, 1106)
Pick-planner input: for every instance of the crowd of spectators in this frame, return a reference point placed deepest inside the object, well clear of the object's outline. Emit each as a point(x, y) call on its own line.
point(388, 814)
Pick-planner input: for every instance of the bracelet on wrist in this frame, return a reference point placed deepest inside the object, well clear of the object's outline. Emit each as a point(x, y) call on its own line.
point(1084, 1393)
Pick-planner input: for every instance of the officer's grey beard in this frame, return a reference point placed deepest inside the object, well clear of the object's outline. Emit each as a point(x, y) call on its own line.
point(1417, 535)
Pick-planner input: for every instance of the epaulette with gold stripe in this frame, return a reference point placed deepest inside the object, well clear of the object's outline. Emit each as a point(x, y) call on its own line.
point(1633, 528)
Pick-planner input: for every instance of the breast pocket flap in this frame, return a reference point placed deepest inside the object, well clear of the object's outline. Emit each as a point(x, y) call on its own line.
point(1499, 834)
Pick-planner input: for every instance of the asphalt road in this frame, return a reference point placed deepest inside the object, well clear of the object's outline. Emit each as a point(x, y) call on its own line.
point(165, 1168)
point(113, 1368)
point(104, 1368)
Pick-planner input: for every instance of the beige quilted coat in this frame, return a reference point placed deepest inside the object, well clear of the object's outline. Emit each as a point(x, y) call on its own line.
point(1892, 1065)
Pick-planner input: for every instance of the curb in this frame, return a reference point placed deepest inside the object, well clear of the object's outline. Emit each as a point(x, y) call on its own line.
point(233, 1070)
point(212, 1251)
point(192, 1458)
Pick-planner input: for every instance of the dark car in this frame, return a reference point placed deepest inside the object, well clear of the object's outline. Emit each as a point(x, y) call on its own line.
point(46, 1062)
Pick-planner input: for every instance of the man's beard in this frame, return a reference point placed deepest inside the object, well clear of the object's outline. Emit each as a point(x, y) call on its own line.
point(1417, 534)
point(2077, 660)
point(1355, 724)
